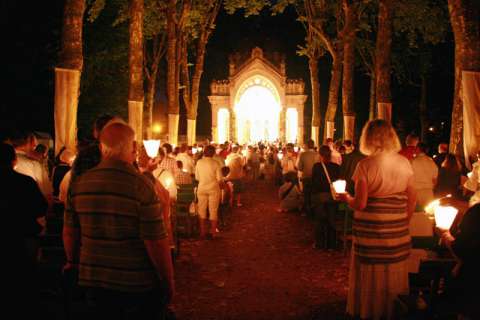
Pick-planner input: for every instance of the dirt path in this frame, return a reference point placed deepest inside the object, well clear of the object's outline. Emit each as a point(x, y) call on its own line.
point(262, 266)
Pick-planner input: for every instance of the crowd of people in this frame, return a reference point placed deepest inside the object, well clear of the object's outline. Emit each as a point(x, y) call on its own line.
point(116, 202)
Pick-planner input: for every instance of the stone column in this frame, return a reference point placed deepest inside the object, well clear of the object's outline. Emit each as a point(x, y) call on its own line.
point(282, 134)
point(214, 122)
point(300, 124)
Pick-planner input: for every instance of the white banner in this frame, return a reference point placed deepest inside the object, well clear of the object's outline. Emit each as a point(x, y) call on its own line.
point(384, 111)
point(471, 114)
point(349, 127)
point(67, 90)
point(173, 120)
point(315, 135)
point(191, 132)
point(135, 118)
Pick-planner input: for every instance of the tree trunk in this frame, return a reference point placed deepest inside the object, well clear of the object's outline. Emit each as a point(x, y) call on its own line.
point(423, 108)
point(150, 101)
point(373, 98)
point(135, 62)
point(67, 75)
point(333, 91)
point(172, 92)
point(316, 120)
point(383, 53)
point(464, 17)
point(348, 69)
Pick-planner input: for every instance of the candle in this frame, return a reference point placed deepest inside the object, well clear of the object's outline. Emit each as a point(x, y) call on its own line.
point(151, 146)
point(339, 186)
point(444, 217)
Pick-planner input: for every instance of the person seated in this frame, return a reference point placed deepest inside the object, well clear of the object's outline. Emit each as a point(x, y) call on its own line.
point(182, 176)
point(290, 194)
point(463, 290)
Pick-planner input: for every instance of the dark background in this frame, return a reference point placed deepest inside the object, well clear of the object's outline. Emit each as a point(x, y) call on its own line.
point(32, 40)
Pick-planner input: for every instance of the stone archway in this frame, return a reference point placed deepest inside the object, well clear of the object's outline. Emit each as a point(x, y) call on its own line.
point(257, 102)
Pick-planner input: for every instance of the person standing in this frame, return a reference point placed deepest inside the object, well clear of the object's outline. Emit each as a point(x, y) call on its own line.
point(425, 174)
point(235, 162)
point(114, 212)
point(384, 201)
point(410, 150)
point(349, 164)
point(209, 175)
point(305, 162)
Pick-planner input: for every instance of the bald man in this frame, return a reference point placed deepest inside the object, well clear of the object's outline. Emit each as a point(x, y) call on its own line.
point(114, 212)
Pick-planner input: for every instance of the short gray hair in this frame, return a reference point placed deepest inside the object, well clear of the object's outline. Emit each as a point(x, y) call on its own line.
point(116, 139)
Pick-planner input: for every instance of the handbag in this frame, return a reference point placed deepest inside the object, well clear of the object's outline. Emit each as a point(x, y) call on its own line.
point(332, 189)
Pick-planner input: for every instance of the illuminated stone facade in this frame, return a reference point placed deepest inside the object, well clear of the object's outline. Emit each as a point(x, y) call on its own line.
point(257, 102)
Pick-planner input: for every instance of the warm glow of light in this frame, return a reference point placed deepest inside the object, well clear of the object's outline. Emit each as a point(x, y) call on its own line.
point(444, 217)
point(295, 149)
point(469, 175)
point(168, 183)
point(156, 128)
point(151, 146)
point(430, 208)
point(223, 125)
point(292, 125)
point(280, 156)
point(257, 114)
point(244, 152)
point(339, 186)
point(194, 150)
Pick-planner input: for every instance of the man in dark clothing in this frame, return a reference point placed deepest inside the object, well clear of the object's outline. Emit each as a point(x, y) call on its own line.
point(442, 153)
point(349, 164)
point(21, 203)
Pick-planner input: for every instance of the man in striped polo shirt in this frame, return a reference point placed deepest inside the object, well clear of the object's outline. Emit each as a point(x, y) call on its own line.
point(115, 233)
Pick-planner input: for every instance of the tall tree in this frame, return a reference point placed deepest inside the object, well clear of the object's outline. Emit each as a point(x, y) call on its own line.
point(202, 23)
point(172, 84)
point(350, 9)
point(135, 61)
point(382, 59)
point(464, 18)
point(67, 75)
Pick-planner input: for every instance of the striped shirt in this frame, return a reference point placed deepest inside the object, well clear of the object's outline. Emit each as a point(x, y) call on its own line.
point(115, 208)
point(381, 234)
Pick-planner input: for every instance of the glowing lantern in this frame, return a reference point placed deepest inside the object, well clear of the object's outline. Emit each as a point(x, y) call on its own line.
point(244, 152)
point(340, 186)
point(168, 183)
point(151, 146)
point(430, 208)
point(444, 217)
point(469, 175)
point(280, 156)
point(194, 150)
point(295, 149)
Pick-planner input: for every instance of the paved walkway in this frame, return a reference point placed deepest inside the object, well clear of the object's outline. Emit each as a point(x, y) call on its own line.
point(262, 266)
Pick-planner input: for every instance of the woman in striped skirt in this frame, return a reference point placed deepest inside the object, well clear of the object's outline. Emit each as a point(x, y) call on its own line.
point(384, 202)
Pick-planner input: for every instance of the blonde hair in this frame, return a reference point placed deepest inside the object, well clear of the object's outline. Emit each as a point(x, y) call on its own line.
point(379, 136)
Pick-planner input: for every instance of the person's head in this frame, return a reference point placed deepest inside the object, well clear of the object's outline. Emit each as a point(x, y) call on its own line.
point(378, 136)
point(24, 140)
point(290, 177)
point(310, 144)
point(326, 153)
point(41, 150)
point(342, 150)
point(209, 151)
point(422, 147)
point(8, 157)
point(412, 140)
point(225, 171)
point(117, 142)
point(349, 147)
point(329, 142)
point(443, 148)
point(235, 149)
point(451, 163)
point(179, 165)
point(183, 148)
point(167, 147)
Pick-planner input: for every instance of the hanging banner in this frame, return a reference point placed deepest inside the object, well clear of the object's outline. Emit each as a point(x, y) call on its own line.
point(348, 127)
point(173, 120)
point(67, 90)
point(471, 115)
point(384, 111)
point(135, 118)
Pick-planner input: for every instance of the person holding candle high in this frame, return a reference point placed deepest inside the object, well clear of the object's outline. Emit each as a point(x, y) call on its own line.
point(384, 202)
point(465, 246)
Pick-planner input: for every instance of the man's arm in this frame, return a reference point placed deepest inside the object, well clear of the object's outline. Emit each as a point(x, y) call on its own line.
point(71, 244)
point(159, 253)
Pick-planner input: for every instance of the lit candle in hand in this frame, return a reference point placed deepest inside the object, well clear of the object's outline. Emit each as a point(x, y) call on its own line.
point(444, 217)
point(340, 186)
point(151, 147)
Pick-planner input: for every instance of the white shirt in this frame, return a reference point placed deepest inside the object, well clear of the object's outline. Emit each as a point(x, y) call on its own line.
point(235, 163)
point(188, 163)
point(473, 183)
point(424, 172)
point(36, 170)
point(208, 173)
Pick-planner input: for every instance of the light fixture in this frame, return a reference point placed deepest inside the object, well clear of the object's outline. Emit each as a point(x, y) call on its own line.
point(151, 146)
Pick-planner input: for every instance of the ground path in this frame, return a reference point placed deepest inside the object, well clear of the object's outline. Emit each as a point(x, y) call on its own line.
point(262, 266)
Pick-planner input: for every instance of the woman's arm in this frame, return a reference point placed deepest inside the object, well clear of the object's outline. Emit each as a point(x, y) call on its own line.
point(359, 202)
point(411, 198)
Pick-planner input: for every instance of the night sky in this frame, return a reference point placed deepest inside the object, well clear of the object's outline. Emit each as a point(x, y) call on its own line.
point(33, 36)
